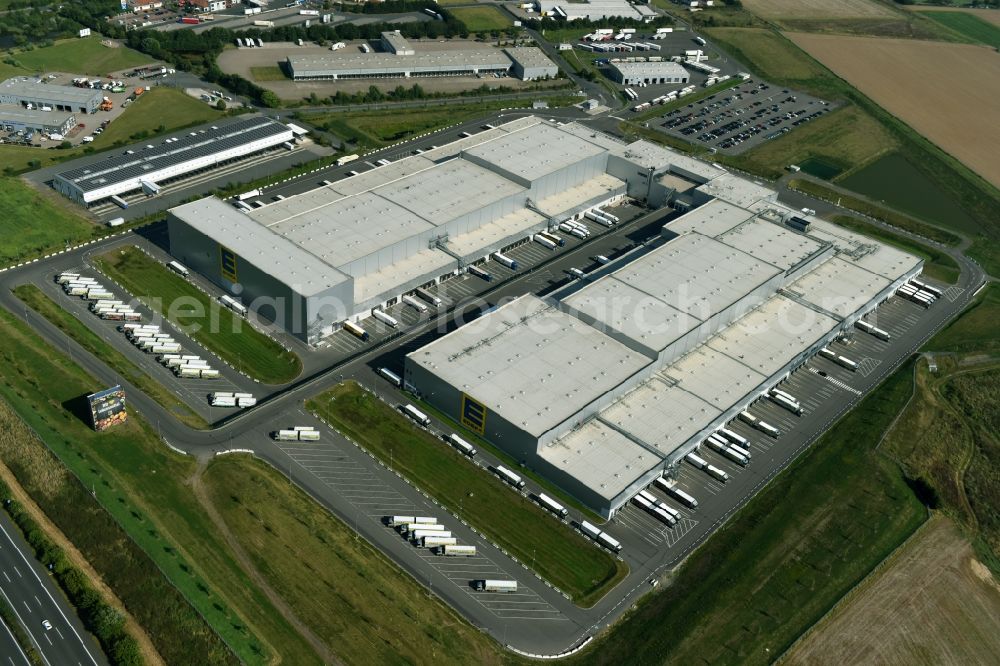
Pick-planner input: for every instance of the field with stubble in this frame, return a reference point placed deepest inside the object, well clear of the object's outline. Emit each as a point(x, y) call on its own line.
point(950, 93)
point(933, 603)
point(817, 9)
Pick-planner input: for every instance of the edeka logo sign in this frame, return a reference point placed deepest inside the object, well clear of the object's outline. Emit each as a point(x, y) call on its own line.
point(473, 414)
point(227, 263)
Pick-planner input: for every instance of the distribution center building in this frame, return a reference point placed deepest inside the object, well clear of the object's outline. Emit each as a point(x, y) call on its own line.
point(634, 73)
point(175, 157)
point(605, 384)
point(59, 98)
point(53, 122)
point(381, 234)
point(402, 59)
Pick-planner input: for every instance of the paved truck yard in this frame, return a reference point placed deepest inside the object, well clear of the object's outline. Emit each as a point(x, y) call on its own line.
point(362, 491)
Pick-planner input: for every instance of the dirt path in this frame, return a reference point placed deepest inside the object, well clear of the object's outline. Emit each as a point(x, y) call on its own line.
point(929, 604)
point(146, 647)
point(246, 563)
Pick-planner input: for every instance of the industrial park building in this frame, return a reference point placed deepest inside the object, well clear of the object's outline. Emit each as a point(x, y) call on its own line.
point(60, 98)
point(15, 118)
point(606, 383)
point(376, 236)
point(633, 73)
point(149, 168)
point(400, 59)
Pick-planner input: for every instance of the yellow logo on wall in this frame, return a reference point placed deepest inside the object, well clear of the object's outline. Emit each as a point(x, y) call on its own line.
point(227, 263)
point(473, 414)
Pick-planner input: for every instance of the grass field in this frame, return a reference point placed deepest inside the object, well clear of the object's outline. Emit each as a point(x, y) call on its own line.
point(885, 215)
point(515, 523)
point(142, 486)
point(888, 619)
point(164, 107)
point(846, 138)
point(348, 592)
point(768, 54)
point(482, 19)
point(986, 251)
point(787, 557)
point(376, 129)
point(74, 328)
point(212, 325)
point(937, 264)
point(818, 9)
point(975, 330)
point(81, 56)
point(267, 74)
point(31, 224)
point(969, 26)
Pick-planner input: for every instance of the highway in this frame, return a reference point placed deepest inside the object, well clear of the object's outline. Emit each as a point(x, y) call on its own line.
point(35, 598)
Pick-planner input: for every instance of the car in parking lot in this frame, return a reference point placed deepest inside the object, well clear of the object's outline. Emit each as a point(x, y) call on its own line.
point(46, 625)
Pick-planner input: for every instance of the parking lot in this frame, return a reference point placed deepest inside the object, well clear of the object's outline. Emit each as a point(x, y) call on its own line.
point(733, 121)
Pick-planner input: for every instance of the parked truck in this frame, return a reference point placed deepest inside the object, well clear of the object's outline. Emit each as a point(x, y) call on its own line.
point(488, 585)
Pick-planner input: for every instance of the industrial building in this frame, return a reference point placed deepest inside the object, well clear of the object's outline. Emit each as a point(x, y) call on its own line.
point(154, 165)
point(401, 59)
point(339, 251)
point(59, 98)
point(531, 63)
point(631, 73)
point(16, 118)
point(605, 384)
point(594, 10)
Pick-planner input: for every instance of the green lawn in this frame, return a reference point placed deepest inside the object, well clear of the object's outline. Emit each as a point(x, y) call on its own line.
point(268, 74)
point(845, 138)
point(968, 25)
point(212, 325)
point(768, 54)
point(32, 224)
point(975, 330)
point(520, 526)
point(74, 328)
point(144, 487)
point(888, 216)
point(81, 56)
point(937, 264)
point(345, 590)
point(482, 19)
point(783, 560)
point(164, 107)
point(987, 252)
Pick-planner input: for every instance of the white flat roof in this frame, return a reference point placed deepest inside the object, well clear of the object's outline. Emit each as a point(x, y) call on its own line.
point(529, 56)
point(269, 252)
point(661, 68)
point(385, 281)
point(342, 229)
point(770, 242)
point(600, 457)
point(661, 415)
point(867, 253)
point(766, 338)
point(369, 180)
point(350, 60)
point(714, 377)
point(737, 190)
point(530, 363)
point(488, 235)
point(711, 219)
point(572, 197)
point(536, 151)
point(838, 286)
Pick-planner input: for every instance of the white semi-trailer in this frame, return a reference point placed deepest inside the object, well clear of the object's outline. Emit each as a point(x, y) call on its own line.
point(456, 551)
point(509, 476)
point(391, 377)
point(415, 304)
point(609, 542)
point(552, 505)
point(427, 296)
point(432, 541)
point(589, 530)
point(462, 445)
point(417, 415)
point(782, 401)
point(717, 473)
point(696, 460)
point(505, 260)
point(385, 318)
point(488, 585)
point(543, 241)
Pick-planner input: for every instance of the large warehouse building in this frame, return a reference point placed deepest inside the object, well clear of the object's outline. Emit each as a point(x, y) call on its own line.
point(605, 384)
point(174, 158)
point(652, 72)
point(58, 98)
point(399, 58)
point(14, 118)
point(373, 237)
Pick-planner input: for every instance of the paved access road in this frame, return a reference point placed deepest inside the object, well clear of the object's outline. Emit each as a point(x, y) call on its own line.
point(35, 598)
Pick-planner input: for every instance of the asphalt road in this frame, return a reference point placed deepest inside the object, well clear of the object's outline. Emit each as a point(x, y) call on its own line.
point(552, 623)
point(35, 598)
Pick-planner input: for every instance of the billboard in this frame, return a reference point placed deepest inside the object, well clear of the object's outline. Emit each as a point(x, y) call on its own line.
point(107, 407)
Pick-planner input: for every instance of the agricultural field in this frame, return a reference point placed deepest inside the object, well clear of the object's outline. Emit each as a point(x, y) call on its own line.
point(347, 592)
point(969, 25)
point(932, 603)
point(520, 526)
point(838, 143)
point(768, 54)
point(214, 326)
point(80, 56)
point(786, 558)
point(34, 223)
point(482, 19)
point(975, 330)
point(34, 298)
point(958, 112)
point(988, 15)
point(818, 9)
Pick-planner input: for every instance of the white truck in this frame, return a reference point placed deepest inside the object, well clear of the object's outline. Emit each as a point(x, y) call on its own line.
point(487, 585)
